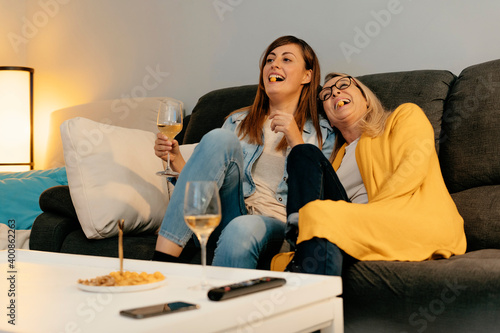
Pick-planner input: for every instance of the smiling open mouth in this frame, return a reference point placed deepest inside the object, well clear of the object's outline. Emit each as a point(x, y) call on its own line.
point(341, 103)
point(276, 77)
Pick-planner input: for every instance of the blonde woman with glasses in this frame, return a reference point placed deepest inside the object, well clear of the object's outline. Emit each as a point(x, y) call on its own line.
point(381, 196)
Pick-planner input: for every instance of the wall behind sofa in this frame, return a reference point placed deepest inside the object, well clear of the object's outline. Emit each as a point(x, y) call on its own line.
point(89, 50)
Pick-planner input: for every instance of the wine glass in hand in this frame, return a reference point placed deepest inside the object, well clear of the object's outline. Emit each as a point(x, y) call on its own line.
point(202, 214)
point(169, 123)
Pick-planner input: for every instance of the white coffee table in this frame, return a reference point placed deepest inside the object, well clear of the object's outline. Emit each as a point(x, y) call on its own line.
point(47, 298)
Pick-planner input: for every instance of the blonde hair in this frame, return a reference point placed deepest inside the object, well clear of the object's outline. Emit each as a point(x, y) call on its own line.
point(373, 123)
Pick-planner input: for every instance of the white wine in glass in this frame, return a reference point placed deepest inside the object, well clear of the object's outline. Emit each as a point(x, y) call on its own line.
point(202, 214)
point(170, 130)
point(203, 225)
point(169, 123)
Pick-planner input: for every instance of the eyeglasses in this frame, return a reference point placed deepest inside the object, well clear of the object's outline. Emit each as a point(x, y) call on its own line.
point(341, 84)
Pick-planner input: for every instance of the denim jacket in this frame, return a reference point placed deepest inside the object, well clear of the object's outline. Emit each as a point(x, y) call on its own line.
point(252, 151)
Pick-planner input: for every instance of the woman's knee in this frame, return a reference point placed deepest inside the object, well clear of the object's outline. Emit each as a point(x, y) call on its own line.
point(317, 256)
point(249, 233)
point(245, 228)
point(244, 239)
point(236, 244)
point(221, 137)
point(305, 151)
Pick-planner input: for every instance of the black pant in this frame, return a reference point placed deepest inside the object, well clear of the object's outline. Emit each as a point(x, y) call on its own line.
point(311, 177)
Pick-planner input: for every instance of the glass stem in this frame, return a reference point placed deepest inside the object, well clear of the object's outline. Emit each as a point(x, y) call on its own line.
point(168, 161)
point(203, 244)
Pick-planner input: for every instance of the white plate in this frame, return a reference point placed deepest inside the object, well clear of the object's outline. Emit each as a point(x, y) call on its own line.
point(121, 289)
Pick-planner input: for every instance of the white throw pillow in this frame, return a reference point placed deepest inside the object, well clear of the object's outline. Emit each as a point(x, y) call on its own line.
point(111, 176)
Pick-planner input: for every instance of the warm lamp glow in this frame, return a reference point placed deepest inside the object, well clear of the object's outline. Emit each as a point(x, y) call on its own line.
point(16, 118)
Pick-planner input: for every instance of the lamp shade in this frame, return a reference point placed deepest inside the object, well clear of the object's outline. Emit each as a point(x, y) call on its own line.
point(16, 118)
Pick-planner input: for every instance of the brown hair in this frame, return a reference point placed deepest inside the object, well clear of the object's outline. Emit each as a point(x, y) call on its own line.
point(252, 126)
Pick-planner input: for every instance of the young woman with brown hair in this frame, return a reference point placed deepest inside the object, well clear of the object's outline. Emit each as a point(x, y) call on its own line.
point(247, 159)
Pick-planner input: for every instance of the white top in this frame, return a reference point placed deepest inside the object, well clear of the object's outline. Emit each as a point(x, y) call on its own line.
point(267, 172)
point(350, 177)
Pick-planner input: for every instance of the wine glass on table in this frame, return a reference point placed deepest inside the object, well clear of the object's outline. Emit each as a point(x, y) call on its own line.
point(202, 214)
point(169, 122)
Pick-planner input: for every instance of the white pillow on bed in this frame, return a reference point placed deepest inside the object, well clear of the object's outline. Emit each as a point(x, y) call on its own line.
point(111, 176)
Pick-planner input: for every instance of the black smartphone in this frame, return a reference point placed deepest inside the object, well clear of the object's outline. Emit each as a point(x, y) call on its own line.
point(159, 309)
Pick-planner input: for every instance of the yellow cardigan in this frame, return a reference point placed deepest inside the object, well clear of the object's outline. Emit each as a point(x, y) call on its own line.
point(410, 216)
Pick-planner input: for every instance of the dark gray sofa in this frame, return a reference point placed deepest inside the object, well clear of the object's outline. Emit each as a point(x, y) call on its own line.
point(461, 294)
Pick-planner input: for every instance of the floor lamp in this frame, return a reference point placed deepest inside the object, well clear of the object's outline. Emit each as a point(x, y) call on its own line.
point(16, 118)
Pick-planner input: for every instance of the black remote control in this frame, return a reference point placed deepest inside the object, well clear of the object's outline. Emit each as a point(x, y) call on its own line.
point(244, 288)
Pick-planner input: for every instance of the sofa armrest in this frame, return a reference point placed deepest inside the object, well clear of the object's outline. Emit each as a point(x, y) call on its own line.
point(50, 230)
point(57, 200)
point(57, 221)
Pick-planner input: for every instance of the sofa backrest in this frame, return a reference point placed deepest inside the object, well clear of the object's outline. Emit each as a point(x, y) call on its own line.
point(470, 139)
point(467, 132)
point(426, 88)
point(213, 107)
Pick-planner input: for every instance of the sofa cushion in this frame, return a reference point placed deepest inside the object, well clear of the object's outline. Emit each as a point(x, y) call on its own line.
point(111, 175)
point(19, 193)
point(460, 294)
point(213, 107)
point(470, 141)
point(426, 88)
point(480, 209)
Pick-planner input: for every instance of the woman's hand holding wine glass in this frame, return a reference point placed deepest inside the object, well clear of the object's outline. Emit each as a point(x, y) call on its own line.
point(170, 124)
